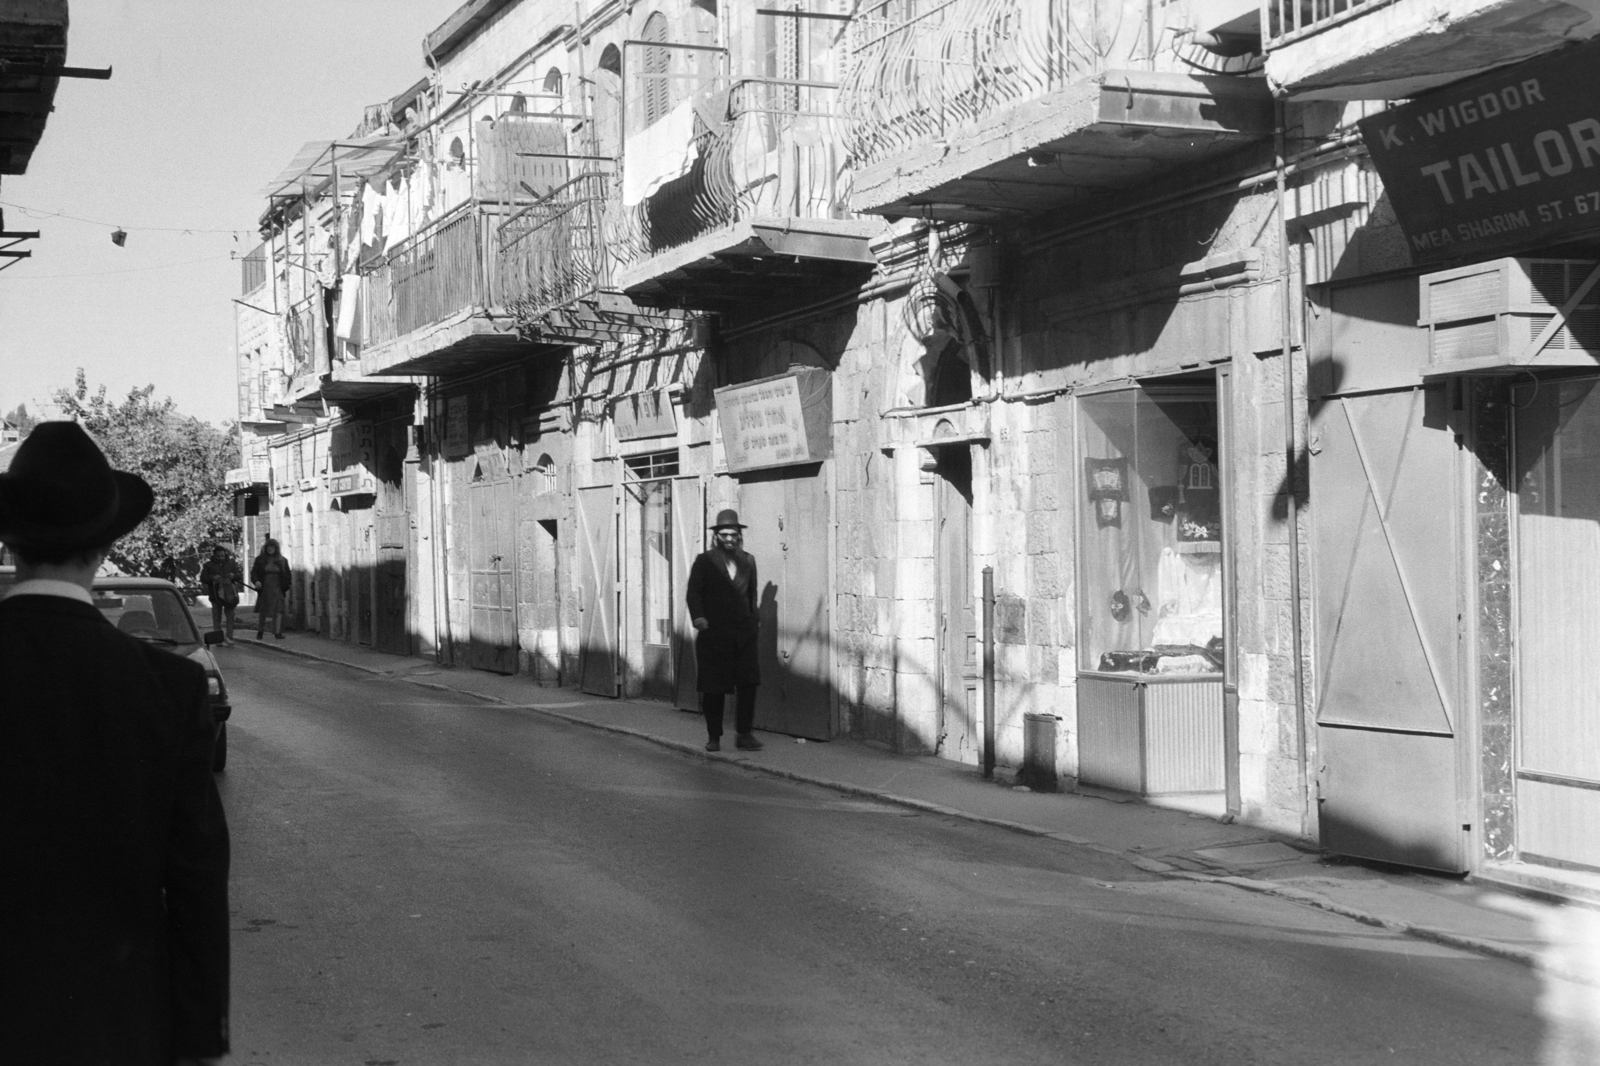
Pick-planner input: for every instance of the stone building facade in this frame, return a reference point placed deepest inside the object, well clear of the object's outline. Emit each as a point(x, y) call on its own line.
point(1066, 375)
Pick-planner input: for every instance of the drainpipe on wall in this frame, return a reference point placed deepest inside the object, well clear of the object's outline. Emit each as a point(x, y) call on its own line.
point(1286, 320)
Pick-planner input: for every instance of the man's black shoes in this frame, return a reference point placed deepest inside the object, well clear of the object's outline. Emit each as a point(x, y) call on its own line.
point(713, 744)
point(747, 742)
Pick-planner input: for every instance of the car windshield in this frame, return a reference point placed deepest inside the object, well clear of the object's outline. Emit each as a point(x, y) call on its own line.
point(156, 615)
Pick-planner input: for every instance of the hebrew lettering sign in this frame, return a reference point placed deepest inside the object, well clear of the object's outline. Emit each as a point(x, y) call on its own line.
point(777, 421)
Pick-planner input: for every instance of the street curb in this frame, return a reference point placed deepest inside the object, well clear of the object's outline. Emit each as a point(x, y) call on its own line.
point(1443, 937)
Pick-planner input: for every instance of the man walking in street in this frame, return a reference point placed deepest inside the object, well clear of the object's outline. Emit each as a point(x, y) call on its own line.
point(722, 605)
point(114, 887)
point(222, 576)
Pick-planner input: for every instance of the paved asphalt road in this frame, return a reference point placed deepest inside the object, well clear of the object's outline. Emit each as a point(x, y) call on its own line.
point(420, 878)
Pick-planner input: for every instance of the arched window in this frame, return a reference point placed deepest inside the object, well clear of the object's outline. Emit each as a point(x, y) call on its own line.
point(657, 63)
point(951, 380)
point(552, 89)
point(544, 474)
point(519, 104)
point(607, 103)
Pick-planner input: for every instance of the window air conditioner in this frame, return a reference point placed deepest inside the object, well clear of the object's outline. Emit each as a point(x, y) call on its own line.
point(1493, 317)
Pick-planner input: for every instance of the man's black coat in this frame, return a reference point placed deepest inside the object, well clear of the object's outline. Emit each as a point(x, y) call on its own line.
point(113, 846)
point(725, 652)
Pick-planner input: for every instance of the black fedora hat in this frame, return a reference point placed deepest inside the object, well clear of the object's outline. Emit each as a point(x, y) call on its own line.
point(60, 492)
point(727, 518)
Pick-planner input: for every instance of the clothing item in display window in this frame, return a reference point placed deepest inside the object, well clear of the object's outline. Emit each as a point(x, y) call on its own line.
point(1150, 558)
point(1107, 478)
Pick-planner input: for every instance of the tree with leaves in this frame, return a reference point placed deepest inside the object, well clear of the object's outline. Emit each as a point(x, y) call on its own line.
point(21, 419)
point(185, 461)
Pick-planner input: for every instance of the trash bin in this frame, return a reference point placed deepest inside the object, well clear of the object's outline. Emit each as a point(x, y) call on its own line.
point(1039, 752)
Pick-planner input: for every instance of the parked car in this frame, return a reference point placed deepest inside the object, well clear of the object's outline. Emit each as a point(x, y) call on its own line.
point(153, 610)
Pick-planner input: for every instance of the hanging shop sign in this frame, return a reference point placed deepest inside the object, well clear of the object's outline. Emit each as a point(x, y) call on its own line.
point(353, 482)
point(1507, 159)
point(778, 421)
point(647, 414)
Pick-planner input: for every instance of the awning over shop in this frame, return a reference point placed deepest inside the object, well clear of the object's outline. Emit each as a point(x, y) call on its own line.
point(1116, 132)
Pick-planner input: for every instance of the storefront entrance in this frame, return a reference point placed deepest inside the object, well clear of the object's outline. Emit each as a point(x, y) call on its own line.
point(1151, 626)
point(648, 576)
point(1557, 548)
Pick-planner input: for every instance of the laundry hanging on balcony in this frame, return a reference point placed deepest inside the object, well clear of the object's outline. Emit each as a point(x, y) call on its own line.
point(661, 152)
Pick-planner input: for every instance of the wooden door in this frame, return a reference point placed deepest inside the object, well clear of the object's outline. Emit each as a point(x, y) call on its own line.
point(787, 516)
point(688, 541)
point(1558, 622)
point(359, 585)
point(1384, 513)
point(960, 665)
point(492, 590)
point(598, 590)
point(389, 584)
point(540, 597)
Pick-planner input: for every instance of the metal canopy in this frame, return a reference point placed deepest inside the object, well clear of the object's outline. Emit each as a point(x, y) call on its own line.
point(755, 262)
point(599, 318)
point(342, 390)
point(313, 166)
point(1078, 142)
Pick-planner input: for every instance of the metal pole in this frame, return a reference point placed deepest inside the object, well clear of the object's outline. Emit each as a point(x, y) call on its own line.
point(1286, 328)
point(988, 672)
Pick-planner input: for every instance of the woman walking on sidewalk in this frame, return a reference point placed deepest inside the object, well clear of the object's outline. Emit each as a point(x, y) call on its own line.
point(270, 576)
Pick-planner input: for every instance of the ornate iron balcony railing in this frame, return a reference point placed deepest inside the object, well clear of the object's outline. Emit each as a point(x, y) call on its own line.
point(1286, 21)
point(777, 154)
point(430, 277)
point(551, 252)
point(919, 70)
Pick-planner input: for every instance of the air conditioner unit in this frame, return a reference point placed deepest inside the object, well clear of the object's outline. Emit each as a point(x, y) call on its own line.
point(1487, 318)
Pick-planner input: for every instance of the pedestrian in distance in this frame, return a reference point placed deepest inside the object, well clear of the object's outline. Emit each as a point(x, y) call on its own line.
point(221, 577)
point(269, 576)
point(114, 887)
point(722, 605)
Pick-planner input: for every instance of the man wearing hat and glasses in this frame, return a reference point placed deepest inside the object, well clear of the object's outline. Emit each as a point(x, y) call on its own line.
point(722, 604)
point(114, 882)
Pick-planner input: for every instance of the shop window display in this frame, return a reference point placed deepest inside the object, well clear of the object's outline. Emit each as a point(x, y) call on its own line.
point(1150, 538)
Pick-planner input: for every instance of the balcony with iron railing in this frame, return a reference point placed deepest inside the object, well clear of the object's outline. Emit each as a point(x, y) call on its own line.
point(984, 110)
point(1396, 49)
point(429, 305)
point(551, 253)
point(762, 203)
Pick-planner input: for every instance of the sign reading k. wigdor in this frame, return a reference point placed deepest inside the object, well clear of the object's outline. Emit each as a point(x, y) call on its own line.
point(1509, 158)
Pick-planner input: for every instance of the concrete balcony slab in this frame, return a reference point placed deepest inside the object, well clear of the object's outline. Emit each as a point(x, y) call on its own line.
point(756, 258)
point(467, 340)
point(1118, 131)
point(1394, 51)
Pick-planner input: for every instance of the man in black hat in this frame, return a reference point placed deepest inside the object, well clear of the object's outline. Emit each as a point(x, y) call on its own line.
point(722, 604)
point(114, 881)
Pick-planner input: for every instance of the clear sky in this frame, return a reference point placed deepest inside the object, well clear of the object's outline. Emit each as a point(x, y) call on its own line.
point(208, 101)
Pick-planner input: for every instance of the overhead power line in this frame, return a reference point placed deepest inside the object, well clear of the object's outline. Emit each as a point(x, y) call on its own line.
point(34, 212)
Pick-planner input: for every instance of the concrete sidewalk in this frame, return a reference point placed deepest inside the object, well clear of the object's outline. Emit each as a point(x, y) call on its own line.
point(1172, 843)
